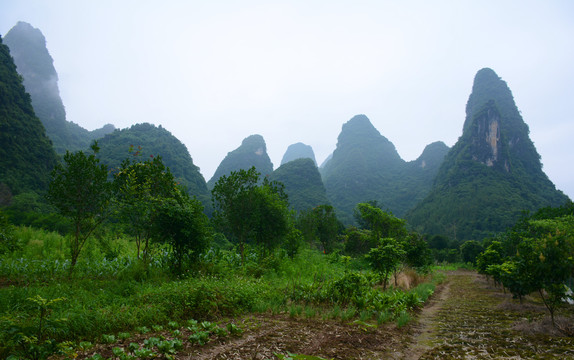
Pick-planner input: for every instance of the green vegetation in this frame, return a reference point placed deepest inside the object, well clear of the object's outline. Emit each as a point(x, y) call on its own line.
point(26, 154)
point(251, 153)
point(536, 255)
point(80, 191)
point(181, 276)
point(247, 211)
point(298, 151)
point(302, 182)
point(482, 186)
point(34, 63)
point(366, 166)
point(146, 141)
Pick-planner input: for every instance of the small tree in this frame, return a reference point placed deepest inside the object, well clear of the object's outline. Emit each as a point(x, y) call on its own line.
point(327, 226)
point(140, 188)
point(183, 226)
point(381, 223)
point(386, 257)
point(80, 191)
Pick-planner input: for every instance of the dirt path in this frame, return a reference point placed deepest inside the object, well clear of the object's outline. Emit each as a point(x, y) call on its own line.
point(474, 320)
point(466, 318)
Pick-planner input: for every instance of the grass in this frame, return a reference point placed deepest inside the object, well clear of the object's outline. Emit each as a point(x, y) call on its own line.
point(116, 295)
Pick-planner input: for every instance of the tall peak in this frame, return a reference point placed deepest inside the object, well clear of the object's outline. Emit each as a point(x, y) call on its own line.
point(298, 151)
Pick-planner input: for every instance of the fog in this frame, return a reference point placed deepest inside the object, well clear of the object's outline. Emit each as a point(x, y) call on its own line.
point(215, 72)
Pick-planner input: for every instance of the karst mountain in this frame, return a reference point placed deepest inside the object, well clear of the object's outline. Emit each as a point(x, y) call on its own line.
point(298, 151)
point(26, 153)
point(35, 64)
point(491, 175)
point(366, 167)
point(252, 152)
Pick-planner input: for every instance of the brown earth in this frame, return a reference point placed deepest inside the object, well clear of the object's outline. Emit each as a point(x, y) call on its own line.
point(466, 318)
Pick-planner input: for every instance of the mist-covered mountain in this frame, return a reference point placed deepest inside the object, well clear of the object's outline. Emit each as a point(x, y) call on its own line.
point(26, 153)
point(491, 174)
point(298, 151)
point(302, 182)
point(366, 166)
point(252, 152)
point(34, 63)
point(150, 140)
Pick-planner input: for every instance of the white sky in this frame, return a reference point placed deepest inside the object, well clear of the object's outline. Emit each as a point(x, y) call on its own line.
point(214, 72)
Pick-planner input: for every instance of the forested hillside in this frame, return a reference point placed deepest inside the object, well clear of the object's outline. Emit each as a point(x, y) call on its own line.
point(367, 167)
point(26, 153)
point(302, 183)
point(145, 141)
point(28, 48)
point(491, 175)
point(252, 152)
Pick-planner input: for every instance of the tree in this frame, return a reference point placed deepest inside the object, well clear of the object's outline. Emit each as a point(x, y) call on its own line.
point(80, 191)
point(417, 252)
point(140, 187)
point(386, 258)
point(470, 250)
point(327, 226)
point(250, 210)
point(183, 226)
point(382, 224)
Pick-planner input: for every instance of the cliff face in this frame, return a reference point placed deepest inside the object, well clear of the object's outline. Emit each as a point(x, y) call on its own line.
point(252, 152)
point(491, 175)
point(36, 66)
point(26, 153)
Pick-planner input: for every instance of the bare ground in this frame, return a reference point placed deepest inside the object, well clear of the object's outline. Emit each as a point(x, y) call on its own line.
point(466, 318)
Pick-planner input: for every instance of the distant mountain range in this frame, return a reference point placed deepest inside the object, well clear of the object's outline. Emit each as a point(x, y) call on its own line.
point(479, 186)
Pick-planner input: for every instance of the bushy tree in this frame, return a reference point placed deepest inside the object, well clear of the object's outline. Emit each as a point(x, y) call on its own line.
point(251, 210)
point(386, 258)
point(417, 253)
point(81, 192)
point(381, 223)
point(140, 187)
point(327, 226)
point(8, 243)
point(470, 250)
point(184, 226)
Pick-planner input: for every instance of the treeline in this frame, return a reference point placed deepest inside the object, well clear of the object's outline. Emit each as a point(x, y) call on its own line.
point(535, 255)
point(141, 198)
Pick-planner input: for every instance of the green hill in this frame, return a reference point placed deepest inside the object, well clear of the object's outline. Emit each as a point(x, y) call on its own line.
point(26, 153)
point(252, 152)
point(115, 147)
point(302, 182)
point(491, 174)
point(28, 48)
point(366, 166)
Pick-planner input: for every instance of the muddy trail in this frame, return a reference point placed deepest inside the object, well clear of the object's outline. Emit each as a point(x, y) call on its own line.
point(466, 318)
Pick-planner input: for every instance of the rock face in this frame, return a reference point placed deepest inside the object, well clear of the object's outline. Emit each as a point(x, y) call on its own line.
point(491, 174)
point(34, 63)
point(366, 166)
point(252, 152)
point(298, 151)
point(302, 182)
point(26, 153)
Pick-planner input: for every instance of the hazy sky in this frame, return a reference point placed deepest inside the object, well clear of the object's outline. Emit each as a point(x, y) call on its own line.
point(214, 72)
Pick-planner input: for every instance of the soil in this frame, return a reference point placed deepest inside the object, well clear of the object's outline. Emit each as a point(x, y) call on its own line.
point(466, 318)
